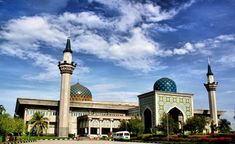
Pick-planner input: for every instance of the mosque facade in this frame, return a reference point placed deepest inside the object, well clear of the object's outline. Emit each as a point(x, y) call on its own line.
point(77, 113)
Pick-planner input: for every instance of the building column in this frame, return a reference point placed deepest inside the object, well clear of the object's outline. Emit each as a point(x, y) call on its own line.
point(100, 126)
point(89, 126)
point(111, 125)
point(25, 114)
point(25, 118)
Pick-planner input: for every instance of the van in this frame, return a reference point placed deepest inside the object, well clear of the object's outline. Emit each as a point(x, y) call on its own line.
point(121, 135)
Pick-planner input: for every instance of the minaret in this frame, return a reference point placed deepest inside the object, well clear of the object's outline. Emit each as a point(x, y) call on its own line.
point(66, 69)
point(211, 89)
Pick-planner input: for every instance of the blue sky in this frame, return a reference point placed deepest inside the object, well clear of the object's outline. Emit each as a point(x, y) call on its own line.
point(121, 47)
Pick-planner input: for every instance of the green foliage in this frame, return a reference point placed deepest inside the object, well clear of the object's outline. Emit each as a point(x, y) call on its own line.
point(135, 126)
point(11, 125)
point(2, 109)
point(19, 126)
point(6, 124)
point(172, 125)
point(71, 135)
point(224, 126)
point(195, 124)
point(39, 122)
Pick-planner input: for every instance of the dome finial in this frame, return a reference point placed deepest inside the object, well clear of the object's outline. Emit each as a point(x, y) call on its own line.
point(69, 34)
point(208, 60)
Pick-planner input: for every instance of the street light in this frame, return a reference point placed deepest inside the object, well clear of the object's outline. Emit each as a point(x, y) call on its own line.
point(167, 126)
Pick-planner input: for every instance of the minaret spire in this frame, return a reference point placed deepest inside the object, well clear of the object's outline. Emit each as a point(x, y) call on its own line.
point(68, 46)
point(211, 86)
point(209, 72)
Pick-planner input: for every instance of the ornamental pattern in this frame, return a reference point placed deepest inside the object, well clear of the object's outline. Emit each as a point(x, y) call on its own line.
point(105, 123)
point(95, 123)
point(148, 102)
point(116, 123)
point(165, 103)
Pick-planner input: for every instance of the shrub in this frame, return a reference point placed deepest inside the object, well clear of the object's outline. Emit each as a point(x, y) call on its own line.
point(71, 135)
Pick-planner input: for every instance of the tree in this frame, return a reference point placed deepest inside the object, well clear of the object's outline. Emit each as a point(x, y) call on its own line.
point(173, 126)
point(135, 126)
point(224, 126)
point(19, 126)
point(11, 125)
point(6, 124)
point(2, 109)
point(195, 124)
point(39, 123)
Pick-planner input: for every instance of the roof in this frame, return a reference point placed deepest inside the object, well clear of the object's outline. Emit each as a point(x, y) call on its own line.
point(22, 102)
point(165, 93)
point(206, 112)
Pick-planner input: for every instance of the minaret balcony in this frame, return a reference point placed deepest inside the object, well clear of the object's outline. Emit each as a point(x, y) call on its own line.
point(211, 86)
point(66, 67)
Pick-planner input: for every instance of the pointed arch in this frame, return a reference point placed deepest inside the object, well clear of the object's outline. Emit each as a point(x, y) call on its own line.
point(184, 115)
point(177, 115)
point(147, 114)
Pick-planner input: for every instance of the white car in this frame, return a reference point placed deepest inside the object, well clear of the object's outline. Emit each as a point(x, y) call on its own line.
point(121, 135)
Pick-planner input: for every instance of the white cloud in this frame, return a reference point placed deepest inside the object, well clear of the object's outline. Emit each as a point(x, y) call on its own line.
point(187, 48)
point(226, 37)
point(138, 45)
point(32, 29)
point(228, 60)
point(111, 91)
point(25, 37)
point(135, 53)
point(230, 92)
point(204, 47)
point(133, 13)
point(46, 62)
point(86, 19)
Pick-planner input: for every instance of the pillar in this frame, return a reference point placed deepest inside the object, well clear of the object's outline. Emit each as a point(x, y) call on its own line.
point(111, 125)
point(100, 128)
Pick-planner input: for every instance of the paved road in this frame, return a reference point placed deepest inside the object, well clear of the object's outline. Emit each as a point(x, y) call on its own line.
point(81, 142)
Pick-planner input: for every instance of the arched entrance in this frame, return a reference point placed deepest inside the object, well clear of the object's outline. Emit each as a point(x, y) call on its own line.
point(147, 120)
point(177, 115)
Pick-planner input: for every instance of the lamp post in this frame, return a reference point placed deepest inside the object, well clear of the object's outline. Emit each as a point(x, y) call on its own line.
point(167, 127)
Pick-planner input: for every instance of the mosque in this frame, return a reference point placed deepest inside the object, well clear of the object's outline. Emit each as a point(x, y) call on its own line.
point(76, 112)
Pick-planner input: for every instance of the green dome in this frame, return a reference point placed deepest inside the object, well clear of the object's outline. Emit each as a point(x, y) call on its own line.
point(80, 93)
point(165, 84)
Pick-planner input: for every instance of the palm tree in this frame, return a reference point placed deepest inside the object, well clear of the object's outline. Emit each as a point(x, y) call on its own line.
point(39, 123)
point(224, 126)
point(2, 109)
